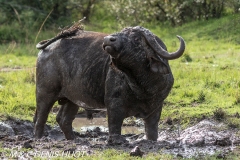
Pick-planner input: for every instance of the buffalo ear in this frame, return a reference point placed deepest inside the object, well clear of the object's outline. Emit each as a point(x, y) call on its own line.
point(158, 66)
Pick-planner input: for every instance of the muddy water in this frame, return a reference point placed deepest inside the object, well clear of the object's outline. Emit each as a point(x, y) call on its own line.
point(204, 138)
point(83, 124)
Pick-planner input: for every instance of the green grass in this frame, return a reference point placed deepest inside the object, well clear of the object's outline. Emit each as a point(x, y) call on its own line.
point(15, 55)
point(113, 154)
point(17, 93)
point(207, 77)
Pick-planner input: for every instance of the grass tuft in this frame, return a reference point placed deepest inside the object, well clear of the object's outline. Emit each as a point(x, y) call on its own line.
point(186, 58)
point(219, 114)
point(233, 122)
point(201, 97)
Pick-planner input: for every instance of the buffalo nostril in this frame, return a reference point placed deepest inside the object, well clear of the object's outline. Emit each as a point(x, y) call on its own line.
point(109, 39)
point(112, 39)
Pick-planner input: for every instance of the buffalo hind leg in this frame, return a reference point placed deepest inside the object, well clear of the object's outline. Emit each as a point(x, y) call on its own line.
point(65, 117)
point(44, 105)
point(151, 124)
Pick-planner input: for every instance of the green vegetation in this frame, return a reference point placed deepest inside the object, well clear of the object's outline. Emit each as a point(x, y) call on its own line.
point(207, 76)
point(112, 154)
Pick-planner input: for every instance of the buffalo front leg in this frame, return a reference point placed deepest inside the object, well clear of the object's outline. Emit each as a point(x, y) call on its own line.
point(116, 115)
point(151, 124)
point(65, 117)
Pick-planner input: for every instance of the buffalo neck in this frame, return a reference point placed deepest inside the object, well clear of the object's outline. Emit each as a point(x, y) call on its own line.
point(141, 80)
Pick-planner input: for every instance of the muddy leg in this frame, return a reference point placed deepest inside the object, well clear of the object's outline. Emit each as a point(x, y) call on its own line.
point(151, 125)
point(44, 105)
point(116, 116)
point(65, 117)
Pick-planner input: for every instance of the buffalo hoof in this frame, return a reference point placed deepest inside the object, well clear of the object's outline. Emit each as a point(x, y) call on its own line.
point(117, 139)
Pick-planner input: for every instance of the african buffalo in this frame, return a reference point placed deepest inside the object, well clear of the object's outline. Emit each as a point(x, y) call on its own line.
point(127, 73)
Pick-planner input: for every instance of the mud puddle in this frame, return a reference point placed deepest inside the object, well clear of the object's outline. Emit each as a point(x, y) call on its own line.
point(83, 125)
point(208, 137)
point(205, 138)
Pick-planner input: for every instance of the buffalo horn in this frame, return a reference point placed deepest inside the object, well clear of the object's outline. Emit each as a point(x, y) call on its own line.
point(162, 52)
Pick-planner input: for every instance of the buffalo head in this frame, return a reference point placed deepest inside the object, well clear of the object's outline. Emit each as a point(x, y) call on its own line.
point(137, 45)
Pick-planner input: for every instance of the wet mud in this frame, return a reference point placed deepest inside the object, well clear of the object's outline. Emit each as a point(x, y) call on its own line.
point(207, 137)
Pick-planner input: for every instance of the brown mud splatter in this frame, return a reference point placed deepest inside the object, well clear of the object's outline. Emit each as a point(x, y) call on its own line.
point(205, 138)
